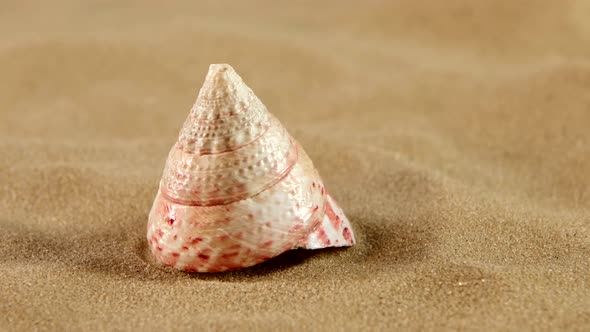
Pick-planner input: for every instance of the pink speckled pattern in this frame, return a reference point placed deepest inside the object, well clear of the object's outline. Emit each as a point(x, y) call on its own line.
point(237, 189)
point(334, 231)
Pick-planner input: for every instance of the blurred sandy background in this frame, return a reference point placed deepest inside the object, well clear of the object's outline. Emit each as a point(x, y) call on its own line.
point(455, 134)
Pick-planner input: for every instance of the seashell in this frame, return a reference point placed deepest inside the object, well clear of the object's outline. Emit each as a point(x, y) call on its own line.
point(237, 189)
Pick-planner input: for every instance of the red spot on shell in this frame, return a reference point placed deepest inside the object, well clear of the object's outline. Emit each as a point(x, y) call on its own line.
point(196, 240)
point(175, 236)
point(175, 254)
point(347, 234)
point(184, 248)
point(250, 215)
point(224, 237)
point(316, 208)
point(334, 219)
point(159, 248)
point(322, 190)
point(323, 236)
point(267, 244)
point(203, 256)
point(236, 246)
point(313, 184)
point(159, 233)
point(170, 220)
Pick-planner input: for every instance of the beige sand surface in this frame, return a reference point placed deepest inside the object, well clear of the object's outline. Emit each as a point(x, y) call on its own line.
point(455, 134)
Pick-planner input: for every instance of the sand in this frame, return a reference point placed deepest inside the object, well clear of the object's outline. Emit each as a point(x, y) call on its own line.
point(455, 135)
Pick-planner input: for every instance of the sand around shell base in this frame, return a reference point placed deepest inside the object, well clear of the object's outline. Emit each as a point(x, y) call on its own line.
point(237, 189)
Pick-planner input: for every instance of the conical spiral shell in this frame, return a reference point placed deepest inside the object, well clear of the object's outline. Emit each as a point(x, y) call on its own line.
point(237, 189)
